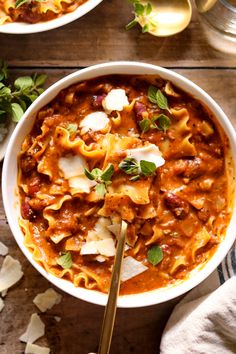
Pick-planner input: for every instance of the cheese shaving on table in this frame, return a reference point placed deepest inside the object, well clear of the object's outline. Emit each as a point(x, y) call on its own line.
point(115, 100)
point(45, 301)
point(149, 152)
point(10, 273)
point(131, 268)
point(72, 168)
point(1, 304)
point(36, 349)
point(4, 293)
point(3, 249)
point(35, 329)
point(96, 121)
point(57, 318)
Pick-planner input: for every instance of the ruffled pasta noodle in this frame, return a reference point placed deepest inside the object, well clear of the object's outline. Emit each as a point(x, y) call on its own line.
point(36, 11)
point(183, 207)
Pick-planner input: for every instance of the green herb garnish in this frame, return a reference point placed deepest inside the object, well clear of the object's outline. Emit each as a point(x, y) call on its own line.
point(132, 167)
point(156, 96)
point(147, 167)
point(15, 100)
point(103, 178)
point(19, 3)
point(160, 122)
point(141, 13)
point(65, 260)
point(155, 255)
point(72, 128)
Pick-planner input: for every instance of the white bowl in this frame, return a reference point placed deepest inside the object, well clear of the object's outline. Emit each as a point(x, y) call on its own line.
point(9, 182)
point(26, 28)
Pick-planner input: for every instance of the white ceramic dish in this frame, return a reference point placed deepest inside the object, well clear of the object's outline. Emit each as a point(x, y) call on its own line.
point(9, 182)
point(26, 28)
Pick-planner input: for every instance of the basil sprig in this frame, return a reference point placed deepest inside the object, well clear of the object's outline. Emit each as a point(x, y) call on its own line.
point(140, 10)
point(156, 96)
point(72, 128)
point(19, 3)
point(15, 100)
point(132, 167)
point(103, 178)
point(155, 255)
point(65, 260)
point(160, 122)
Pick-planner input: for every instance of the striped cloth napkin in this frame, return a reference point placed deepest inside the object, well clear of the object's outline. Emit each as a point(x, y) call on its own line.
point(204, 322)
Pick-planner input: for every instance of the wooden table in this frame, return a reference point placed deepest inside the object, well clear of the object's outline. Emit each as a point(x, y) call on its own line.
point(99, 37)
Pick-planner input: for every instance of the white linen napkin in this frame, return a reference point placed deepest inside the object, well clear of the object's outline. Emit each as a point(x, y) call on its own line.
point(204, 322)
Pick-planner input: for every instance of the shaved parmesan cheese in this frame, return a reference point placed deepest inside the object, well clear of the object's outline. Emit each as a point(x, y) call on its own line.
point(106, 247)
point(3, 249)
point(36, 349)
point(10, 273)
point(1, 304)
point(35, 329)
point(57, 318)
point(89, 248)
point(95, 121)
point(4, 293)
point(115, 100)
point(81, 184)
point(45, 301)
point(131, 268)
point(100, 259)
point(149, 153)
point(99, 240)
point(115, 229)
point(72, 166)
point(100, 230)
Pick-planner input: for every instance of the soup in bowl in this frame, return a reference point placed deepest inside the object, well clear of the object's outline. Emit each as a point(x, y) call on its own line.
point(122, 141)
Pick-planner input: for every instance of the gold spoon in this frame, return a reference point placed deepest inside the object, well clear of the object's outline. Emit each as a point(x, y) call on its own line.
point(167, 17)
point(204, 5)
point(110, 311)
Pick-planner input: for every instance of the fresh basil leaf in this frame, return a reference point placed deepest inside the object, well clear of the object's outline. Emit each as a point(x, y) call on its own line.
point(145, 28)
point(152, 91)
point(134, 178)
point(72, 128)
point(107, 174)
point(17, 112)
point(3, 70)
point(164, 122)
point(148, 8)
point(100, 189)
point(65, 261)
point(130, 166)
point(139, 9)
point(4, 90)
point(147, 167)
point(144, 125)
point(19, 3)
point(23, 83)
point(161, 100)
point(40, 90)
point(89, 174)
point(155, 255)
point(96, 172)
point(40, 79)
point(131, 24)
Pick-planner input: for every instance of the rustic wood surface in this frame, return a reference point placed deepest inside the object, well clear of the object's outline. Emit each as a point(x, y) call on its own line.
point(98, 37)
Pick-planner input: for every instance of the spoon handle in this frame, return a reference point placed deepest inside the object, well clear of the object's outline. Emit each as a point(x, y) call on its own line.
point(110, 311)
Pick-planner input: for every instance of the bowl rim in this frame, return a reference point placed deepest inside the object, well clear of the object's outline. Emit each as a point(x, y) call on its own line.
point(26, 28)
point(149, 298)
